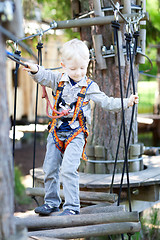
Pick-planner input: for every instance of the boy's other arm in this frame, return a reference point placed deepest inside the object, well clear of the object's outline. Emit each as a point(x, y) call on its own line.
point(109, 103)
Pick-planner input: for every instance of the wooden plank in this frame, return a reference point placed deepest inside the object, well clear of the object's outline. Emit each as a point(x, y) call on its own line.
point(101, 208)
point(90, 231)
point(90, 196)
point(145, 177)
point(43, 238)
point(53, 222)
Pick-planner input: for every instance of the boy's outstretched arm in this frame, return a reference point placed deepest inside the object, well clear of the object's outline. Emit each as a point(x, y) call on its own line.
point(31, 67)
point(133, 99)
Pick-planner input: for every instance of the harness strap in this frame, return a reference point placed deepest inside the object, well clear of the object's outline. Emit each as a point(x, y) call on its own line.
point(61, 145)
point(78, 114)
point(80, 100)
point(54, 114)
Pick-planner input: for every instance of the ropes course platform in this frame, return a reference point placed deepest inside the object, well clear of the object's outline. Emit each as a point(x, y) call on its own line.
point(102, 215)
point(144, 184)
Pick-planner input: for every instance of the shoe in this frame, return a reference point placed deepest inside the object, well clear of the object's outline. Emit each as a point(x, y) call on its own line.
point(45, 209)
point(68, 212)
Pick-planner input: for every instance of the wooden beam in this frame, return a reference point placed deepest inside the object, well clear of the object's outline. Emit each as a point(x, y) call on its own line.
point(37, 223)
point(90, 231)
point(42, 238)
point(93, 196)
point(99, 208)
point(93, 21)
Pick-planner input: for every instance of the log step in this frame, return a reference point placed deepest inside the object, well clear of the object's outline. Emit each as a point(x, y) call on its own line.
point(90, 231)
point(99, 208)
point(42, 238)
point(84, 195)
point(37, 223)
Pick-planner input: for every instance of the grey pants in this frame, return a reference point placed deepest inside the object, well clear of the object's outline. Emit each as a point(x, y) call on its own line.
point(68, 163)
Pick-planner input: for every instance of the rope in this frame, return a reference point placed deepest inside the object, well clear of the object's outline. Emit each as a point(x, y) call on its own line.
point(143, 54)
point(115, 8)
point(17, 61)
point(128, 39)
point(136, 35)
point(40, 33)
point(16, 56)
point(116, 26)
point(149, 75)
point(113, 161)
point(14, 39)
point(39, 47)
point(15, 102)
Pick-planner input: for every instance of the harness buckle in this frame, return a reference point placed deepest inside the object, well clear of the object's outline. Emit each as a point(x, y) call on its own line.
point(64, 108)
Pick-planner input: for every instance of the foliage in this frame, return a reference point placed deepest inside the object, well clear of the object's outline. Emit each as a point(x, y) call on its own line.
point(146, 92)
point(153, 35)
point(153, 26)
point(152, 54)
point(51, 10)
point(19, 189)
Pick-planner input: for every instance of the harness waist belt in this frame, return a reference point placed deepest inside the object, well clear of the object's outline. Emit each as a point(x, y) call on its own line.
point(70, 119)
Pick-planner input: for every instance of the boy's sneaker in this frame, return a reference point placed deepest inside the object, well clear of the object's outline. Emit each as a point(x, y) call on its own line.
point(68, 212)
point(46, 209)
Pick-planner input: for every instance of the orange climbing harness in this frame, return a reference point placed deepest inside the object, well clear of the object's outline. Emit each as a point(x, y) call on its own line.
point(57, 114)
point(78, 114)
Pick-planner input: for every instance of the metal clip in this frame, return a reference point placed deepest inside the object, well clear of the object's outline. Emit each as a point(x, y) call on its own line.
point(53, 24)
point(40, 35)
point(128, 26)
point(116, 11)
point(16, 46)
point(64, 108)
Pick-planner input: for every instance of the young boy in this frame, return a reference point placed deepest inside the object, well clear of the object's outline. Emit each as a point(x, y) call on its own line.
point(70, 130)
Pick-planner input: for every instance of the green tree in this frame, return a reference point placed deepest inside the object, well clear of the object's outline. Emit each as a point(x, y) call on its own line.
point(153, 26)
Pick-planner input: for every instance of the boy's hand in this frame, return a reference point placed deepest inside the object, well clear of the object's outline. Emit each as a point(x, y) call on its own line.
point(31, 67)
point(133, 99)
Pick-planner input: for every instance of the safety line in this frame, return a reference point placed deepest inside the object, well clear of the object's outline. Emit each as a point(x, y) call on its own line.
point(149, 75)
point(128, 87)
point(39, 47)
point(128, 39)
point(14, 39)
point(15, 103)
point(17, 61)
point(116, 26)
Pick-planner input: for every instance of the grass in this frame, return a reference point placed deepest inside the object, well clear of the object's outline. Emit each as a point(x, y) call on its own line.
point(146, 92)
point(19, 189)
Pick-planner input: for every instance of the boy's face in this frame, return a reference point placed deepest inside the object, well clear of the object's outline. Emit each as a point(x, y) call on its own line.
point(76, 69)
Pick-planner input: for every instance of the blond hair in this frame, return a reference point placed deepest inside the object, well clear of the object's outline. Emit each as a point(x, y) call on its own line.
point(73, 49)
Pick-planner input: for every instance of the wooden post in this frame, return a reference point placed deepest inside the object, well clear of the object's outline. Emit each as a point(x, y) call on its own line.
point(142, 37)
point(98, 43)
point(122, 60)
point(97, 8)
point(126, 6)
point(100, 168)
point(90, 167)
point(90, 231)
point(7, 226)
point(134, 152)
point(8, 230)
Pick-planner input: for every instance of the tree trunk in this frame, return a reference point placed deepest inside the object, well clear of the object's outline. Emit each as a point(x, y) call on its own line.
point(105, 126)
point(7, 228)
